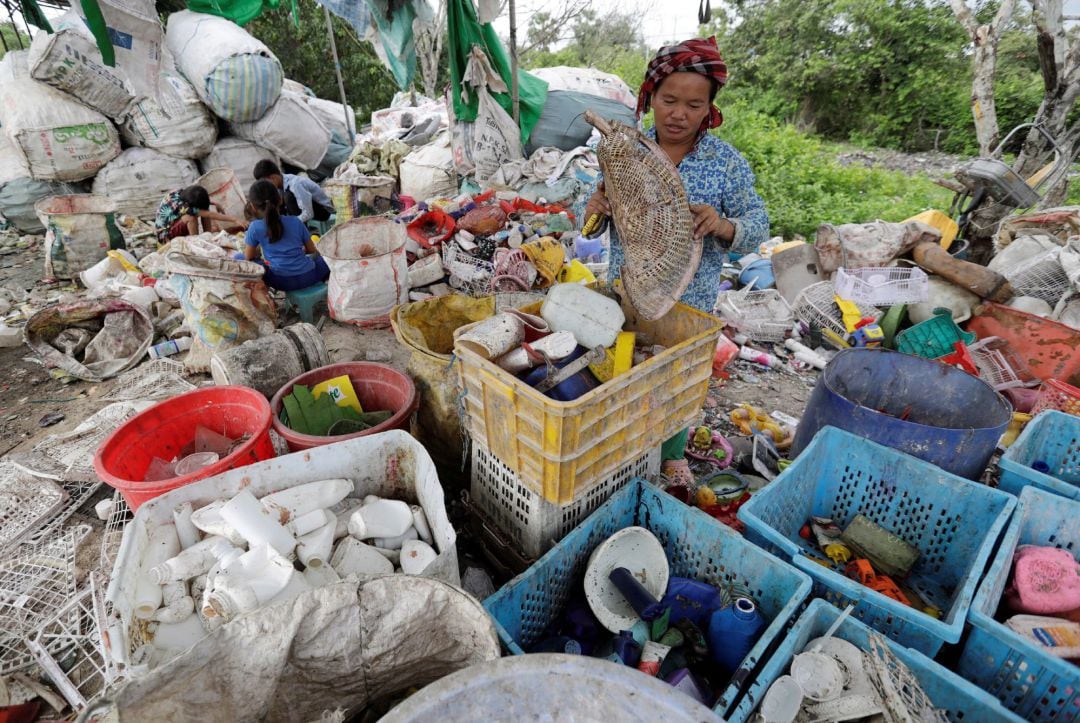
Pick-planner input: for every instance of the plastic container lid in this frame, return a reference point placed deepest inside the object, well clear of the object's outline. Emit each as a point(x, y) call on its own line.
point(636, 549)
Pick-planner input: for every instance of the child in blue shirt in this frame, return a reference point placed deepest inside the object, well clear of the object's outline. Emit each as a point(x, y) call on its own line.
point(283, 243)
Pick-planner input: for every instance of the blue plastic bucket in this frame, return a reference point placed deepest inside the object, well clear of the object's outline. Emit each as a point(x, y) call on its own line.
point(950, 418)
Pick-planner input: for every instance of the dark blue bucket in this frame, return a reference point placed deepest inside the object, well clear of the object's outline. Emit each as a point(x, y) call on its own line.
point(950, 418)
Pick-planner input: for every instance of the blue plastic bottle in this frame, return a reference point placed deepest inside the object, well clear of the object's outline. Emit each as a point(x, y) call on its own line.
point(733, 630)
point(627, 649)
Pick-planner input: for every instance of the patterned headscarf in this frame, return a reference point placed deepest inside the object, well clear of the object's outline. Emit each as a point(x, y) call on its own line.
point(694, 56)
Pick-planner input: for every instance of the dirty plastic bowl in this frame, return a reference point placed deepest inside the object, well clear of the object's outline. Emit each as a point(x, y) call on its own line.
point(377, 386)
point(952, 419)
point(636, 549)
point(523, 687)
point(165, 429)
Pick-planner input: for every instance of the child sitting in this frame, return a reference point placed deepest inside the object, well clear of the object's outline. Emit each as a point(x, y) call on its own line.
point(180, 212)
point(283, 242)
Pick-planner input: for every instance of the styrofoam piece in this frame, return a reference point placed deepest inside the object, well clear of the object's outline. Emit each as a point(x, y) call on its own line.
point(26, 503)
point(637, 550)
point(391, 464)
point(35, 586)
point(68, 646)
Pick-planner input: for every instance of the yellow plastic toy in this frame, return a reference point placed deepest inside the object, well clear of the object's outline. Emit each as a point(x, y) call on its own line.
point(750, 420)
point(705, 496)
point(838, 552)
point(850, 313)
point(576, 272)
point(620, 357)
point(949, 228)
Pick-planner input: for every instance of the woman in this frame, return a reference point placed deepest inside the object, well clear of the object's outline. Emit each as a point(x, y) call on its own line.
point(180, 213)
point(283, 242)
point(680, 87)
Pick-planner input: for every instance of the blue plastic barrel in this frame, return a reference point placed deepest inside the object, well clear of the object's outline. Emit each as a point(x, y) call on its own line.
point(922, 407)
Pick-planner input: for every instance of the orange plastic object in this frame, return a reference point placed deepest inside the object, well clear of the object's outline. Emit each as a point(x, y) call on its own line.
point(1051, 350)
point(862, 572)
point(960, 358)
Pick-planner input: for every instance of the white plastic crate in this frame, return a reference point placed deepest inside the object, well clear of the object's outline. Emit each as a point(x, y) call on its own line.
point(1042, 277)
point(882, 286)
point(469, 275)
point(761, 315)
point(816, 306)
point(530, 522)
point(1000, 366)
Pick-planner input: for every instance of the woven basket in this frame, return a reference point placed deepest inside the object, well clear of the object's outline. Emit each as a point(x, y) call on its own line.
point(652, 215)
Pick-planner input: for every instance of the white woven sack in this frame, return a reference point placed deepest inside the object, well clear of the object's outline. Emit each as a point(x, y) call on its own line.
point(55, 137)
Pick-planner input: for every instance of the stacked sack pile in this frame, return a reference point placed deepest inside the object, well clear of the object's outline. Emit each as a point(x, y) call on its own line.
point(203, 94)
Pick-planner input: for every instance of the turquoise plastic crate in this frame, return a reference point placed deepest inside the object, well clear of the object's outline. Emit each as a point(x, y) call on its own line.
point(1051, 437)
point(934, 337)
point(697, 546)
point(953, 522)
point(1027, 680)
point(960, 700)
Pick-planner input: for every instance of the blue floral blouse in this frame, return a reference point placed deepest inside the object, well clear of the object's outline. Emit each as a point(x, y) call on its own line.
point(713, 173)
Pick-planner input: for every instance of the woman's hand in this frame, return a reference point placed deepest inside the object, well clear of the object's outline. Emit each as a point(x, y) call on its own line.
point(708, 222)
point(598, 203)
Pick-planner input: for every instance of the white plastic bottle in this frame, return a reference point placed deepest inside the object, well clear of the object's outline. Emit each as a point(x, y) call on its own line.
point(170, 347)
point(302, 499)
point(244, 514)
point(382, 518)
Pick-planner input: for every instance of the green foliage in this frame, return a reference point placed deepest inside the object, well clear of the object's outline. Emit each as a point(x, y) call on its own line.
point(12, 38)
point(803, 185)
point(304, 53)
point(611, 43)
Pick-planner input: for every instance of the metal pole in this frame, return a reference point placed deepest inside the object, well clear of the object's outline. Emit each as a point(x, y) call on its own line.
point(514, 63)
point(337, 69)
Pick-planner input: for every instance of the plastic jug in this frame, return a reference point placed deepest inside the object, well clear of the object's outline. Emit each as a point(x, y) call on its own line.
point(594, 319)
point(691, 600)
point(733, 630)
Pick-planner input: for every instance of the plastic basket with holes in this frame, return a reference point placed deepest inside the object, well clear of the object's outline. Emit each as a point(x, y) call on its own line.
point(761, 315)
point(1055, 394)
point(815, 306)
point(882, 286)
point(954, 524)
point(999, 365)
point(1046, 455)
point(934, 337)
point(469, 275)
point(529, 521)
point(697, 547)
point(1026, 678)
point(958, 699)
point(1042, 278)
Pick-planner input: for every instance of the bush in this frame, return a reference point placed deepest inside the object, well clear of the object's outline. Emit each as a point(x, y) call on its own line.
point(804, 186)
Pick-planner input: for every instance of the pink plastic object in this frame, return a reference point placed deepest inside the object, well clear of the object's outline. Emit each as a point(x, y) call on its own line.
point(1022, 398)
point(1046, 580)
point(726, 350)
point(719, 442)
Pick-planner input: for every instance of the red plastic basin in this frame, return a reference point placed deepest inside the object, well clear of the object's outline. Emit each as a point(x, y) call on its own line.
point(165, 429)
point(377, 386)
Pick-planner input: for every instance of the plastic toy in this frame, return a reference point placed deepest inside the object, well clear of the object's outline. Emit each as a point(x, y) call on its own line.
point(862, 572)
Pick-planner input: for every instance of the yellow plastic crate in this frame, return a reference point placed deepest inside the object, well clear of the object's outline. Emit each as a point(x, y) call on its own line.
point(560, 449)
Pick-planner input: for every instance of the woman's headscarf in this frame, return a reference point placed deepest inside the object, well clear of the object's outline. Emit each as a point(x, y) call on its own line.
point(693, 56)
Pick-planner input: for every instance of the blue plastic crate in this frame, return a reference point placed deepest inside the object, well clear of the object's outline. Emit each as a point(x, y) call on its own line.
point(953, 522)
point(1051, 437)
point(697, 546)
point(1027, 680)
point(960, 700)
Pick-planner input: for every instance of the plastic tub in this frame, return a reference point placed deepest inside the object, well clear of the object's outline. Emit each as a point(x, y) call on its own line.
point(1029, 681)
point(522, 689)
point(165, 429)
point(697, 546)
point(1052, 438)
point(954, 524)
point(960, 700)
point(1051, 350)
point(951, 419)
point(377, 386)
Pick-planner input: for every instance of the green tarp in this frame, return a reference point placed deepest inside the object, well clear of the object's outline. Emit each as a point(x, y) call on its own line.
point(465, 31)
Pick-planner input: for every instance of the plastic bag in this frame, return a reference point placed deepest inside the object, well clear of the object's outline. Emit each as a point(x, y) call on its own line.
point(225, 303)
point(495, 137)
point(128, 332)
